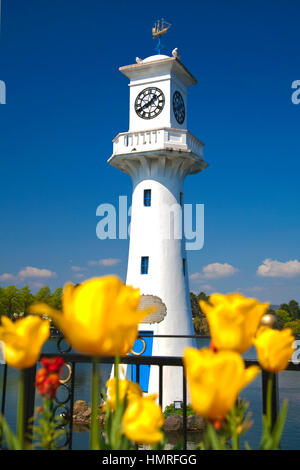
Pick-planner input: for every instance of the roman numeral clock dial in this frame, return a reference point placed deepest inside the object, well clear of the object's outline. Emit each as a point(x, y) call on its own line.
point(149, 103)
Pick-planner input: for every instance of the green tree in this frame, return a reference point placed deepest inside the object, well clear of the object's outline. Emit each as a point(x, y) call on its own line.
point(295, 326)
point(26, 298)
point(199, 319)
point(11, 301)
point(292, 308)
point(2, 301)
point(56, 299)
point(43, 295)
point(194, 305)
point(282, 317)
point(203, 296)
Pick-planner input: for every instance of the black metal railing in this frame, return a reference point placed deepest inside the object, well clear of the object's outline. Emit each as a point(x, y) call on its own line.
point(66, 406)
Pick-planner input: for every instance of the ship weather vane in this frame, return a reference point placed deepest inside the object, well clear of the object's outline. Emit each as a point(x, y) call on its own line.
point(159, 29)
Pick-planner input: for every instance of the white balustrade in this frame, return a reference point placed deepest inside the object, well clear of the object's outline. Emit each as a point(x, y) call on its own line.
point(177, 139)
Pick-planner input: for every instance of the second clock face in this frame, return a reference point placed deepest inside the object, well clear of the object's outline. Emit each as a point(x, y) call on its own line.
point(178, 107)
point(149, 103)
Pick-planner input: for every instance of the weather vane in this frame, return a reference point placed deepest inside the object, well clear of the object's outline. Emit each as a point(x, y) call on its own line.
point(160, 28)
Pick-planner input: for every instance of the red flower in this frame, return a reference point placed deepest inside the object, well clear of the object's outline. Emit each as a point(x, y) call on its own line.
point(47, 379)
point(53, 364)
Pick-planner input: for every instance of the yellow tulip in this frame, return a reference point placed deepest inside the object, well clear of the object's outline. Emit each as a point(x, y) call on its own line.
point(233, 320)
point(23, 340)
point(215, 380)
point(142, 420)
point(128, 389)
point(100, 316)
point(274, 348)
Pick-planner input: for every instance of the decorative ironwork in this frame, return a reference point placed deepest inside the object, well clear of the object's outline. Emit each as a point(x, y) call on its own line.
point(64, 404)
point(59, 347)
point(67, 379)
point(143, 349)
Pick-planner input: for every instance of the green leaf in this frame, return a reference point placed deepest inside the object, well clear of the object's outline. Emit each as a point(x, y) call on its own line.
point(247, 446)
point(213, 439)
point(12, 440)
point(266, 439)
point(279, 426)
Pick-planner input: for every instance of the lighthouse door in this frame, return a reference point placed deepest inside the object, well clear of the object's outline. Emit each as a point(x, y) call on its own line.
point(146, 346)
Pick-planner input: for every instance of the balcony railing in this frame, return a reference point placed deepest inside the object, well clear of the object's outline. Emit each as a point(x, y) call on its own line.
point(156, 139)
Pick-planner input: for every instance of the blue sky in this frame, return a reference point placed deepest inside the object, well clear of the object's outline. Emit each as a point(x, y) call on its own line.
point(66, 101)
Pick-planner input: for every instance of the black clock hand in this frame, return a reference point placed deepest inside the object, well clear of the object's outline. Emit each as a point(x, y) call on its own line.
point(147, 104)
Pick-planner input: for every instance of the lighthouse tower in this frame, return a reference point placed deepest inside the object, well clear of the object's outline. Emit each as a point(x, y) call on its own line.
point(158, 152)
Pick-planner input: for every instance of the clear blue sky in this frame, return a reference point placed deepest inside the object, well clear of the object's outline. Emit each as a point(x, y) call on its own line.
point(66, 101)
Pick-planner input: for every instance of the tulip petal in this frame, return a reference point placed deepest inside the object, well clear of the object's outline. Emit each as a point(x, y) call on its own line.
point(233, 320)
point(215, 380)
point(142, 420)
point(23, 340)
point(274, 348)
point(45, 309)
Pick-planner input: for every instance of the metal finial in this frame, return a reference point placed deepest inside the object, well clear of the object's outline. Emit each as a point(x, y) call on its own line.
point(268, 320)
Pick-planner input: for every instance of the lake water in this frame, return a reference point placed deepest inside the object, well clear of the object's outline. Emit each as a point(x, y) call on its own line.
point(289, 387)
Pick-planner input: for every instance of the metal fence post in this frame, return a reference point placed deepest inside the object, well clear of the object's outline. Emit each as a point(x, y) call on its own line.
point(29, 398)
point(4, 389)
point(184, 409)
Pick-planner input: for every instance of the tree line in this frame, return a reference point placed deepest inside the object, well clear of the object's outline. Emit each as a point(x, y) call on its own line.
point(15, 302)
point(287, 315)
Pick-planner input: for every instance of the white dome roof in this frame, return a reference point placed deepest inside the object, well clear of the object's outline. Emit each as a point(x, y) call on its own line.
point(153, 58)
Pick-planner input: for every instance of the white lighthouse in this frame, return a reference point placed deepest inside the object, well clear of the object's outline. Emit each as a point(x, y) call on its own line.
point(158, 152)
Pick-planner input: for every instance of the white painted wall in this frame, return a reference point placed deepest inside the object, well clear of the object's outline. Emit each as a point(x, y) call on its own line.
point(149, 236)
point(168, 84)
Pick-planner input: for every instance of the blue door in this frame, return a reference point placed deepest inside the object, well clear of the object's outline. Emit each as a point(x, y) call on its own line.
point(145, 369)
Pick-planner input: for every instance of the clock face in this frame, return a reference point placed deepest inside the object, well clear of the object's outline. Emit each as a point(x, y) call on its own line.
point(178, 107)
point(149, 103)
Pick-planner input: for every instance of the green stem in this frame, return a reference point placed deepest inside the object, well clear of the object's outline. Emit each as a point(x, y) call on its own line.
point(269, 399)
point(211, 439)
point(46, 428)
point(20, 419)
point(94, 436)
point(116, 374)
point(115, 434)
point(233, 425)
point(235, 436)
